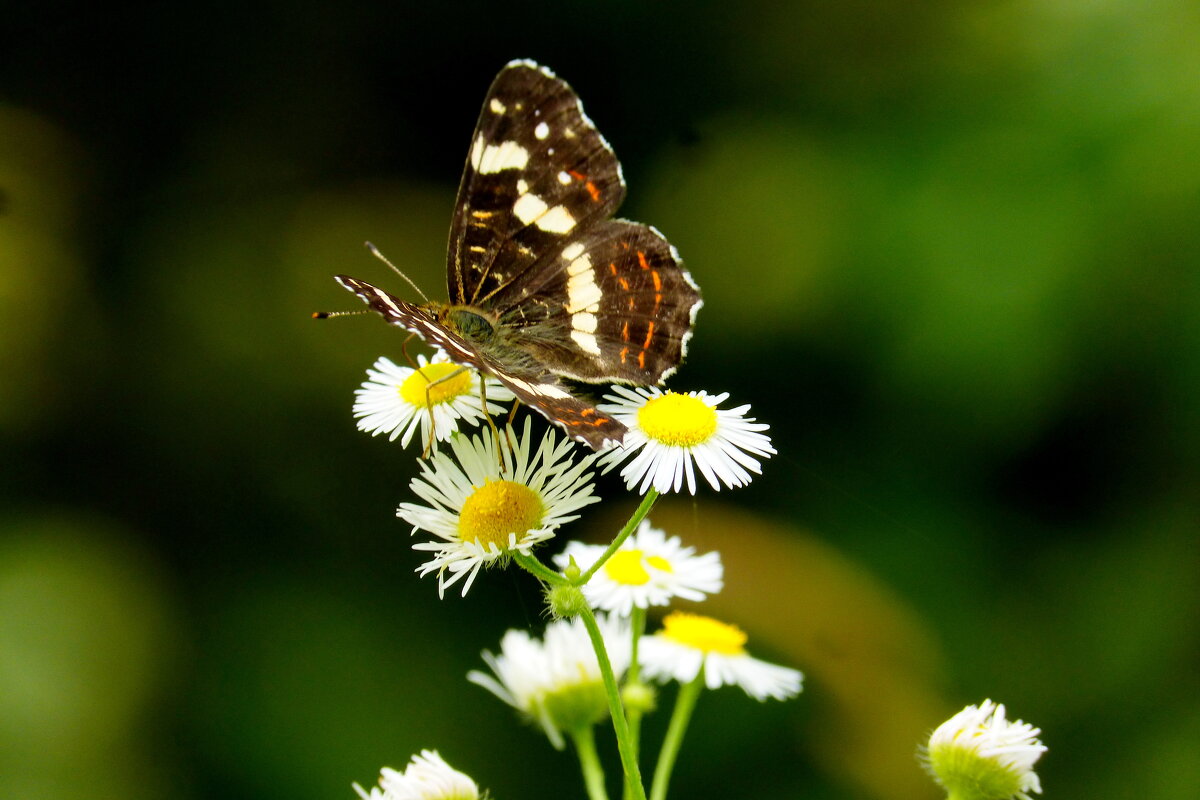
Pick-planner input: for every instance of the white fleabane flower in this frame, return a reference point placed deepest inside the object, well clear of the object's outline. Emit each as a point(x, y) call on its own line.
point(556, 681)
point(648, 570)
point(482, 515)
point(428, 777)
point(688, 643)
point(399, 401)
point(979, 755)
point(672, 435)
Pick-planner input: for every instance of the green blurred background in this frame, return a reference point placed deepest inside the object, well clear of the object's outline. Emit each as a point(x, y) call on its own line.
point(949, 252)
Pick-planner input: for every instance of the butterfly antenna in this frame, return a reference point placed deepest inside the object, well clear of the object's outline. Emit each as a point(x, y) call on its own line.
point(375, 252)
point(331, 314)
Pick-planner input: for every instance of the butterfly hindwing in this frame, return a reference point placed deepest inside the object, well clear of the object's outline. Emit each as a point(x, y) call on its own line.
point(616, 305)
point(580, 419)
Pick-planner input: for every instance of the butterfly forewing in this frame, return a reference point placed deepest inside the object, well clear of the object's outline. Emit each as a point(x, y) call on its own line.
point(537, 172)
point(533, 385)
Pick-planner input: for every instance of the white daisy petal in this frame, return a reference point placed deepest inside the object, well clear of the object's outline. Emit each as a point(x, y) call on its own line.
point(759, 679)
point(978, 752)
point(648, 570)
point(398, 402)
point(671, 436)
point(556, 681)
point(481, 515)
point(691, 642)
point(427, 777)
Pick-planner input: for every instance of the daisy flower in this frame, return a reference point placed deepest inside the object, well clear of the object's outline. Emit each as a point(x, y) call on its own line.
point(979, 755)
point(675, 434)
point(556, 681)
point(689, 643)
point(428, 777)
point(480, 514)
point(648, 570)
point(398, 400)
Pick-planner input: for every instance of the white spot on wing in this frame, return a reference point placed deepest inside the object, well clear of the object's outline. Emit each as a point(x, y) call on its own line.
point(542, 130)
point(540, 389)
point(532, 210)
point(586, 341)
point(496, 106)
point(528, 208)
point(564, 178)
point(581, 267)
point(556, 220)
point(584, 294)
point(522, 186)
point(584, 321)
point(488, 159)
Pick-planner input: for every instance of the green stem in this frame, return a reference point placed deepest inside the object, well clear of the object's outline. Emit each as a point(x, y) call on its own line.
point(633, 775)
point(684, 704)
point(637, 626)
point(540, 570)
point(589, 762)
point(630, 527)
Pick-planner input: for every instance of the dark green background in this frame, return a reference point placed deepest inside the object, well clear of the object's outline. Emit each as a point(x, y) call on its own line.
point(949, 252)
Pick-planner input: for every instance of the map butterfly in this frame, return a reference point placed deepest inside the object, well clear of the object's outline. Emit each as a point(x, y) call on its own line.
point(543, 283)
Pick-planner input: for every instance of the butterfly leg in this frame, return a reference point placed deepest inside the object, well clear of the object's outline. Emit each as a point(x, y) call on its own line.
point(512, 415)
point(404, 349)
point(429, 404)
point(492, 425)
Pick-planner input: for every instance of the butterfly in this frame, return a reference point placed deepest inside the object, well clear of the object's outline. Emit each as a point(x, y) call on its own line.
point(543, 283)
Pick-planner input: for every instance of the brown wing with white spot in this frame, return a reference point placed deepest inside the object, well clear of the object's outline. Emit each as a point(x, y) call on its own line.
point(537, 173)
point(617, 304)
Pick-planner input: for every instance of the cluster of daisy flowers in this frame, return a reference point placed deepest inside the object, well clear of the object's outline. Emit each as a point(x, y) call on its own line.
point(491, 497)
point(496, 496)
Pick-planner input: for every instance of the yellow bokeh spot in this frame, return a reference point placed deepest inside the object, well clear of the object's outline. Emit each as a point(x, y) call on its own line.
point(678, 420)
point(704, 633)
point(435, 383)
point(499, 508)
point(625, 567)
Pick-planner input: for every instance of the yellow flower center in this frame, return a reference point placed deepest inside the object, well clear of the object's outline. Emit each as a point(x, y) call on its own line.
point(431, 384)
point(496, 509)
point(659, 563)
point(704, 633)
point(678, 420)
point(626, 567)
